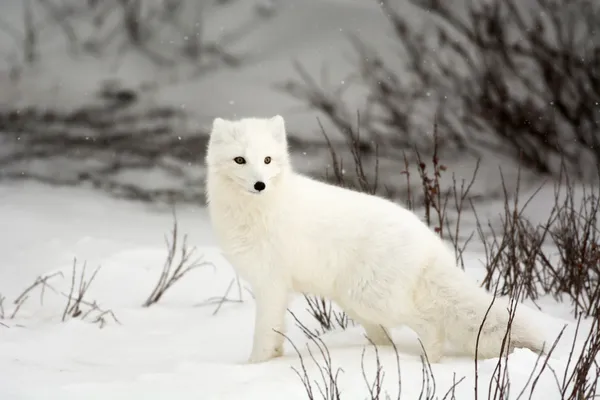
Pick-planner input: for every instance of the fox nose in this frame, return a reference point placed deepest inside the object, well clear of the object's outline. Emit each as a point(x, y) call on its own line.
point(260, 186)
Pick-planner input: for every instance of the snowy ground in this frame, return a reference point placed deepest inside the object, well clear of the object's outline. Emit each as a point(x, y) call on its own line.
point(177, 349)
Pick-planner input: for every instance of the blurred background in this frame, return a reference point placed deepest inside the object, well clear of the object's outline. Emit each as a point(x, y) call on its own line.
point(119, 95)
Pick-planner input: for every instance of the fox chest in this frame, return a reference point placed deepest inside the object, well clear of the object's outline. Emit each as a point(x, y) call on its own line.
point(240, 238)
point(246, 238)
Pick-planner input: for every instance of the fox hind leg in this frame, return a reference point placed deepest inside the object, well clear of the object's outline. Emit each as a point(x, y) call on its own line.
point(432, 338)
point(377, 334)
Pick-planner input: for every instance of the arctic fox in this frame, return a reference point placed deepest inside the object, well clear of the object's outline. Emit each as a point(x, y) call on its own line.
point(286, 233)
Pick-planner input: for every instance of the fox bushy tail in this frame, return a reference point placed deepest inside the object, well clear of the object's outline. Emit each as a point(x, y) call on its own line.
point(473, 319)
point(490, 325)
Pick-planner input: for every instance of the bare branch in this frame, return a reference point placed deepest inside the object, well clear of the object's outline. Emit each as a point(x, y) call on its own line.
point(172, 272)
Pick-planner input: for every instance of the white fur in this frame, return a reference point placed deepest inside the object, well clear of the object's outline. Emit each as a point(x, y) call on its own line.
point(374, 258)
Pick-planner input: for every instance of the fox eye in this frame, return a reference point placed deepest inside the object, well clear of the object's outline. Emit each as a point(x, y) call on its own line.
point(240, 160)
point(267, 160)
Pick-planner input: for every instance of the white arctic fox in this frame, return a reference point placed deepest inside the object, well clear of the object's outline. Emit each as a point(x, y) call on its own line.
point(285, 233)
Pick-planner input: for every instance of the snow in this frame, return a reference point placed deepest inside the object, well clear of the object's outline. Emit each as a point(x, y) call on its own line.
point(187, 346)
point(180, 348)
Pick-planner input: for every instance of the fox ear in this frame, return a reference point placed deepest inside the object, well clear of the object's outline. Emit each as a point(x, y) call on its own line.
point(278, 125)
point(219, 125)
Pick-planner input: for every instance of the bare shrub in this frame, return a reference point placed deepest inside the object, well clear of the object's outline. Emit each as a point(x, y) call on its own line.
point(499, 386)
point(519, 79)
point(219, 301)
point(376, 387)
point(121, 139)
point(581, 375)
point(520, 255)
point(579, 380)
point(73, 306)
point(327, 386)
point(116, 26)
point(173, 270)
point(363, 180)
point(40, 282)
point(77, 306)
point(576, 236)
point(144, 25)
point(322, 311)
point(512, 254)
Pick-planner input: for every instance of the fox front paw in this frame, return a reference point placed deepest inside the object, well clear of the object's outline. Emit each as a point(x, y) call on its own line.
point(262, 355)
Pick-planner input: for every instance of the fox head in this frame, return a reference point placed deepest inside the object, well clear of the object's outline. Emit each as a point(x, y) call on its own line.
point(250, 153)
